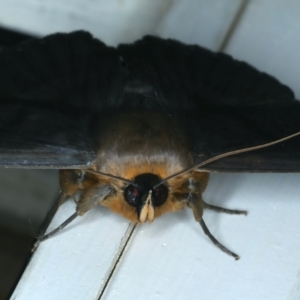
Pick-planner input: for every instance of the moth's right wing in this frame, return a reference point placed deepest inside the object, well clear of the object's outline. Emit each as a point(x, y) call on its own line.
point(50, 89)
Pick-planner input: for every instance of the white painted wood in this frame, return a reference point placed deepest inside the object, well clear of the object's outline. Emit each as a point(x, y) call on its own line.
point(114, 21)
point(269, 38)
point(172, 258)
point(75, 263)
point(203, 22)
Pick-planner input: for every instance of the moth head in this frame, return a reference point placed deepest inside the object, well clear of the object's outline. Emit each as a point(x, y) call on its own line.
point(146, 198)
point(141, 198)
point(145, 195)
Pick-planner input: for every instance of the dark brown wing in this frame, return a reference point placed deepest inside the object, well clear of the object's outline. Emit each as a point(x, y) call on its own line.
point(225, 104)
point(53, 91)
point(10, 38)
point(47, 91)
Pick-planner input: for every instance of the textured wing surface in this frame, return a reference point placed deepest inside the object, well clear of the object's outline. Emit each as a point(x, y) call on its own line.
point(54, 89)
point(225, 104)
point(47, 91)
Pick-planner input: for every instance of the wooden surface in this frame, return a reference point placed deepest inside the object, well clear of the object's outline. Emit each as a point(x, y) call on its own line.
point(172, 258)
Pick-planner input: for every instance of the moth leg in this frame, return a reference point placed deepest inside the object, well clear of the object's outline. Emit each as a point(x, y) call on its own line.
point(62, 198)
point(216, 242)
point(91, 197)
point(70, 181)
point(196, 203)
point(79, 212)
point(225, 210)
point(53, 232)
point(59, 201)
point(73, 183)
point(90, 193)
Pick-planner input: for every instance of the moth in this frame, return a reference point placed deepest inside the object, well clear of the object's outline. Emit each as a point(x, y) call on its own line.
point(138, 128)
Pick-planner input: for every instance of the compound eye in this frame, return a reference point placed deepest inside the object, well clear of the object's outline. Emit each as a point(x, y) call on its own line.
point(159, 195)
point(132, 195)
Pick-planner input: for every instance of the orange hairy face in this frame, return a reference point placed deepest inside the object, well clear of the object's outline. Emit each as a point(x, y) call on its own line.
point(140, 201)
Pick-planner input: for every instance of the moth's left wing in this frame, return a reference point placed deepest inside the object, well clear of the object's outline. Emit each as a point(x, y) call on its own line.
point(223, 103)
